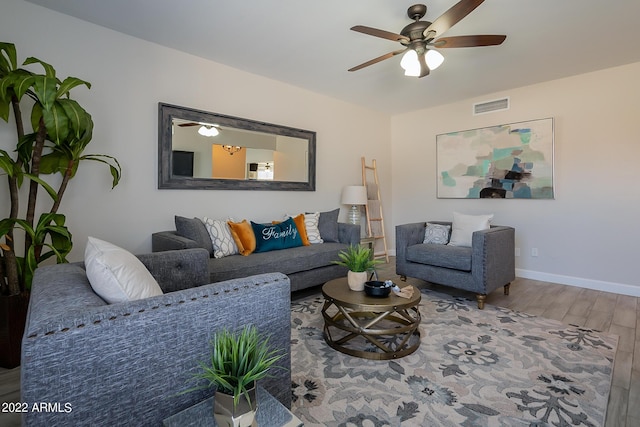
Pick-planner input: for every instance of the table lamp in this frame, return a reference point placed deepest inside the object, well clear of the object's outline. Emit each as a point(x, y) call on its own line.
point(354, 195)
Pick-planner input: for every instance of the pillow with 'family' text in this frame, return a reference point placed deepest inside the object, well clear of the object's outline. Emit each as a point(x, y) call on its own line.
point(271, 237)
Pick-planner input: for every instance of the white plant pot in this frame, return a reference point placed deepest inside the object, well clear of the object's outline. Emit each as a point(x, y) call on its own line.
point(356, 280)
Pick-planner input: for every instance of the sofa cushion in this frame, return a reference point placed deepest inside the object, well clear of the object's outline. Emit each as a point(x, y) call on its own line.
point(292, 260)
point(311, 220)
point(300, 225)
point(271, 237)
point(328, 225)
point(455, 257)
point(194, 229)
point(437, 234)
point(117, 275)
point(465, 225)
point(221, 238)
point(242, 233)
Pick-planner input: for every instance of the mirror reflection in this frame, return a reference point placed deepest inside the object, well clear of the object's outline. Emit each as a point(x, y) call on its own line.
point(210, 151)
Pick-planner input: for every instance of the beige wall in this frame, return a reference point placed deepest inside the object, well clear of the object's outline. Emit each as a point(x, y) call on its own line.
point(588, 235)
point(129, 78)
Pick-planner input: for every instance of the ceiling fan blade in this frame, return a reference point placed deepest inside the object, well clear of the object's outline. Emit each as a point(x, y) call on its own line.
point(452, 16)
point(379, 33)
point(468, 41)
point(378, 59)
point(424, 68)
point(188, 124)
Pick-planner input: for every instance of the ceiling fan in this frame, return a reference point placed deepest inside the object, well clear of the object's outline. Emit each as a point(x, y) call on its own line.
point(419, 38)
point(206, 129)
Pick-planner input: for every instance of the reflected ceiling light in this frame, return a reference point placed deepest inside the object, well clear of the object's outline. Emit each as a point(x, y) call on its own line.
point(207, 130)
point(411, 64)
point(231, 149)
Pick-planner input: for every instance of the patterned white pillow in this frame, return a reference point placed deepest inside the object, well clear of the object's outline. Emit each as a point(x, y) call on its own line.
point(436, 234)
point(311, 225)
point(221, 238)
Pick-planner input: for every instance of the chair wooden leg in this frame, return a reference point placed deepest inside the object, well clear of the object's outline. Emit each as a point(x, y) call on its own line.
point(403, 277)
point(506, 288)
point(481, 298)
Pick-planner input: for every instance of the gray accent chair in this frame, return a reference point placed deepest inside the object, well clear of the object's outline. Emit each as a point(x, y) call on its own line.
point(127, 363)
point(487, 265)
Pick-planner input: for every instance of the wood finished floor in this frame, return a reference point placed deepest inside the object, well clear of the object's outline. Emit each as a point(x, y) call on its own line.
point(607, 312)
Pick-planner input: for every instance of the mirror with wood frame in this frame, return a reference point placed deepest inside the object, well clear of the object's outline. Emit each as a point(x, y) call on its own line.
point(201, 150)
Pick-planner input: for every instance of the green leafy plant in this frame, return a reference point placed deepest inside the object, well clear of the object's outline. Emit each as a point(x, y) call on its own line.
point(237, 361)
point(60, 131)
point(357, 259)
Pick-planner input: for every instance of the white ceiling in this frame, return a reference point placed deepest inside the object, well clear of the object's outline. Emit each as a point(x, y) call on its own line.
point(308, 43)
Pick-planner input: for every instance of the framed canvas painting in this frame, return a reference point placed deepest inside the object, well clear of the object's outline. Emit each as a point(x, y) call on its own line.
point(511, 161)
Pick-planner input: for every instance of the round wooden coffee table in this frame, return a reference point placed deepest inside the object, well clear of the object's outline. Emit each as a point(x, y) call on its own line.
point(370, 327)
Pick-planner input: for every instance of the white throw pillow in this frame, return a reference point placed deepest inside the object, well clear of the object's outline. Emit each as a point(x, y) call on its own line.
point(221, 238)
point(436, 234)
point(465, 225)
point(311, 225)
point(116, 274)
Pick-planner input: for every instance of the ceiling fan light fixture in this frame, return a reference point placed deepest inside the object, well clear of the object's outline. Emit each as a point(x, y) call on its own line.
point(208, 131)
point(410, 63)
point(434, 59)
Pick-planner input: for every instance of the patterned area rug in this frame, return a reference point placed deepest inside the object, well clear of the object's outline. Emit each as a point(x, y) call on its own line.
point(491, 367)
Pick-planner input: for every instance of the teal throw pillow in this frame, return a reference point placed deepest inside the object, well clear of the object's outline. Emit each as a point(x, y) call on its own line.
point(271, 237)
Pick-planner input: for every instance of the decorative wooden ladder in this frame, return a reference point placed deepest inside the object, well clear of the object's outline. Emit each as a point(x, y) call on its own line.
point(373, 209)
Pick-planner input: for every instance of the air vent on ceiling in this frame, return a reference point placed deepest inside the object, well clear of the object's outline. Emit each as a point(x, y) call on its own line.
point(491, 106)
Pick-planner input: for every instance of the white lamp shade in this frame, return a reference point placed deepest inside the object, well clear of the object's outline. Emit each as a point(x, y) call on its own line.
point(434, 59)
point(354, 195)
point(410, 63)
point(208, 131)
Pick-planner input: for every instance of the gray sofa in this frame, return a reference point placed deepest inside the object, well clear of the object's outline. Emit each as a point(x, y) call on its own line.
point(125, 364)
point(306, 266)
point(482, 268)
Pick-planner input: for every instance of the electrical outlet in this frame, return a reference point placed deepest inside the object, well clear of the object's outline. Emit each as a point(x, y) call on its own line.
point(517, 251)
point(534, 252)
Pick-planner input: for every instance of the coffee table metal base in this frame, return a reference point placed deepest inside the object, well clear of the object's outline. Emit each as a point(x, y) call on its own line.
point(390, 330)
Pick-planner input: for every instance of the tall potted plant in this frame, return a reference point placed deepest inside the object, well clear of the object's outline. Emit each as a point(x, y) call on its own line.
point(59, 131)
point(359, 260)
point(238, 360)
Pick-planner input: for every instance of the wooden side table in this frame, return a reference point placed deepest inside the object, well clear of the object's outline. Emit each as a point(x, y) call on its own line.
point(354, 320)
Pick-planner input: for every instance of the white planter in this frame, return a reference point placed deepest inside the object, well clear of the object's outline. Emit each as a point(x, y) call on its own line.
point(356, 280)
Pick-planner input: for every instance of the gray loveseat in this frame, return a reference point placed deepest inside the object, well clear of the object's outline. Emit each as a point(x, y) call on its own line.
point(125, 364)
point(487, 265)
point(306, 266)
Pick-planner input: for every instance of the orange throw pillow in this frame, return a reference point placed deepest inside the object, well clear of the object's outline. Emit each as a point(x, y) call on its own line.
point(302, 229)
point(243, 236)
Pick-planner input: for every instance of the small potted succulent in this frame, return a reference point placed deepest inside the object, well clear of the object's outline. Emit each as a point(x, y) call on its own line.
point(359, 260)
point(238, 360)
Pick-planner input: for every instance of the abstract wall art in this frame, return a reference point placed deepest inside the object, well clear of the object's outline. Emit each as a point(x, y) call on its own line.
point(511, 161)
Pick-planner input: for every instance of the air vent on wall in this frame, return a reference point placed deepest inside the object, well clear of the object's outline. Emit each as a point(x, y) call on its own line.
point(491, 106)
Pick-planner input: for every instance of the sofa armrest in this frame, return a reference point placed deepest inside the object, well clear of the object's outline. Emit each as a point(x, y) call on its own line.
point(349, 233)
point(129, 362)
point(408, 235)
point(178, 269)
point(170, 240)
point(493, 259)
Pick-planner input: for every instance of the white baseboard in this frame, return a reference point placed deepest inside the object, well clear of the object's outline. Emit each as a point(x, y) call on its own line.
point(580, 282)
point(598, 285)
